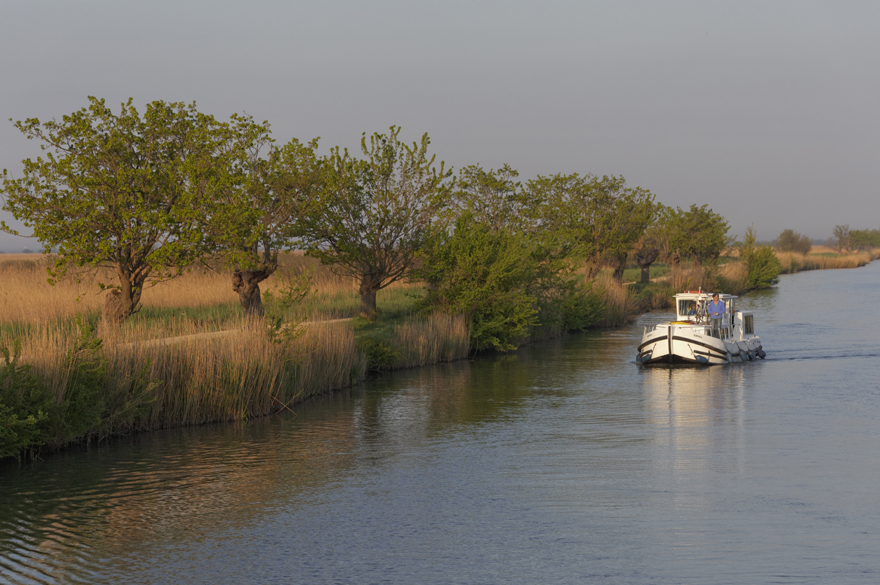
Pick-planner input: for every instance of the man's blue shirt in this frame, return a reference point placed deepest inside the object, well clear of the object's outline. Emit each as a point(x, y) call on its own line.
point(716, 310)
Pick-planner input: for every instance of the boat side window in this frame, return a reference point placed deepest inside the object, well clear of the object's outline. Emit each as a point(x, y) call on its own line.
point(683, 308)
point(749, 324)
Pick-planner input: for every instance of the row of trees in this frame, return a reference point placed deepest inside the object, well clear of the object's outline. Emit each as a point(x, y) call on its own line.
point(150, 195)
point(843, 239)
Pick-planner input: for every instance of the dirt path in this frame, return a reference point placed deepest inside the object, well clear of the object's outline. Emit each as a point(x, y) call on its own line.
point(210, 335)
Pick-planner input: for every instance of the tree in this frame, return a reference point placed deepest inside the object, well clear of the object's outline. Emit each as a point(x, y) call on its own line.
point(763, 266)
point(121, 191)
point(595, 216)
point(841, 237)
point(791, 241)
point(493, 198)
point(648, 249)
point(256, 216)
point(698, 233)
point(864, 239)
point(374, 215)
point(485, 274)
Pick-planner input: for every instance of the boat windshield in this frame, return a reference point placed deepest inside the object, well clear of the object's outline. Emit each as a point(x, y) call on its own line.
point(688, 308)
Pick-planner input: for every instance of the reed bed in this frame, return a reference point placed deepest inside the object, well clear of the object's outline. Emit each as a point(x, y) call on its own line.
point(439, 338)
point(204, 378)
point(793, 262)
point(620, 301)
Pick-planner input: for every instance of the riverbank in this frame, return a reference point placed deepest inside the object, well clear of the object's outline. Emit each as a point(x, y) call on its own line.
point(66, 381)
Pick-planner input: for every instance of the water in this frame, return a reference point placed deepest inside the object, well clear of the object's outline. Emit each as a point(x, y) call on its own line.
point(563, 463)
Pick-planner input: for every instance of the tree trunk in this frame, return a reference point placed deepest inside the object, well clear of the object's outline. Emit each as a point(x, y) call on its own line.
point(593, 267)
point(619, 267)
point(121, 303)
point(116, 309)
point(368, 289)
point(247, 284)
point(646, 272)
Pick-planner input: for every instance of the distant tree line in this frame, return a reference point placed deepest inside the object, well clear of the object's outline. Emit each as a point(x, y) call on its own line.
point(151, 194)
point(843, 239)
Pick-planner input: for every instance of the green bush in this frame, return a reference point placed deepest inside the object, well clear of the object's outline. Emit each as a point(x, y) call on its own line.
point(581, 306)
point(492, 276)
point(94, 401)
point(25, 406)
point(763, 265)
point(380, 355)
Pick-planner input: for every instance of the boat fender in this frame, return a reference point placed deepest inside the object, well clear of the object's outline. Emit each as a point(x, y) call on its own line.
point(702, 359)
point(762, 354)
point(729, 358)
point(645, 358)
point(751, 355)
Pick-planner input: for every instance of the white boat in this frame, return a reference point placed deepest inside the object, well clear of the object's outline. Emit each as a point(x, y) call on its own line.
point(692, 339)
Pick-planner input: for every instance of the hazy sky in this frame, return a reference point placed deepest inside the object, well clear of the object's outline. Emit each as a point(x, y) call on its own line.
point(767, 111)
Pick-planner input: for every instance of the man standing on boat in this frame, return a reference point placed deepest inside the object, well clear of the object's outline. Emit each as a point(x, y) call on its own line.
point(716, 312)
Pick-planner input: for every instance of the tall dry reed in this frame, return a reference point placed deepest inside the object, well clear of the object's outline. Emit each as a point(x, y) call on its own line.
point(439, 338)
point(199, 377)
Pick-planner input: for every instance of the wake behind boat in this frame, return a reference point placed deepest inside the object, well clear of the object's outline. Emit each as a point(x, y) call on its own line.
point(694, 338)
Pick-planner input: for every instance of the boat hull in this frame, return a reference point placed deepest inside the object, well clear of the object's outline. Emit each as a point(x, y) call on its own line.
point(694, 344)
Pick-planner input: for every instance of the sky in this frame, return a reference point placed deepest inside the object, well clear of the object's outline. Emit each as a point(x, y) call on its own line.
point(765, 111)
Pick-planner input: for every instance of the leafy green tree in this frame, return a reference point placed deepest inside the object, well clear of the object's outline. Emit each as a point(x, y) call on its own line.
point(698, 233)
point(761, 261)
point(648, 249)
point(123, 191)
point(864, 239)
point(791, 241)
point(485, 274)
point(374, 215)
point(256, 216)
point(596, 216)
point(494, 198)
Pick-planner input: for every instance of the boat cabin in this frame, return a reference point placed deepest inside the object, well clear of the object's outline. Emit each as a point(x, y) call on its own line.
point(692, 307)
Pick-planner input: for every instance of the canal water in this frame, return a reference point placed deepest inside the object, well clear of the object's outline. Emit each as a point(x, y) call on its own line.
point(563, 463)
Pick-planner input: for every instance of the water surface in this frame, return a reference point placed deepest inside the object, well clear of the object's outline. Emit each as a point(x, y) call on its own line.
point(563, 463)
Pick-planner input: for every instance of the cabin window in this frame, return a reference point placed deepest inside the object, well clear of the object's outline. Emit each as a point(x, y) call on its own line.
point(684, 308)
point(749, 324)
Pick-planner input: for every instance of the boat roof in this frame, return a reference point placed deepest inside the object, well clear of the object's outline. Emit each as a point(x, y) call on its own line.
point(702, 294)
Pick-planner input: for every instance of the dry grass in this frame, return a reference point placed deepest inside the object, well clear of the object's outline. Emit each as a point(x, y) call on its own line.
point(819, 259)
point(199, 380)
point(439, 338)
point(27, 297)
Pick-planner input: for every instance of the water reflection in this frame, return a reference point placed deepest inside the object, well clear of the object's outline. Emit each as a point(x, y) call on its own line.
point(563, 463)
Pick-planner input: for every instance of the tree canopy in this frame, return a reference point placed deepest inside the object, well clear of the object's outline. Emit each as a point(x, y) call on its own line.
point(257, 215)
point(698, 233)
point(123, 190)
point(373, 215)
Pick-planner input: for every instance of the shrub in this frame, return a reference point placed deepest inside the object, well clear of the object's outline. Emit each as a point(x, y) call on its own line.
point(791, 241)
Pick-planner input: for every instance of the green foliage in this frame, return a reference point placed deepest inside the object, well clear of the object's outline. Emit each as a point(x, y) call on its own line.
point(381, 356)
point(698, 233)
point(594, 217)
point(494, 198)
point(124, 191)
point(256, 215)
point(763, 265)
point(293, 291)
point(495, 278)
point(373, 216)
point(791, 241)
point(864, 239)
point(31, 417)
point(841, 237)
point(25, 406)
point(581, 307)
